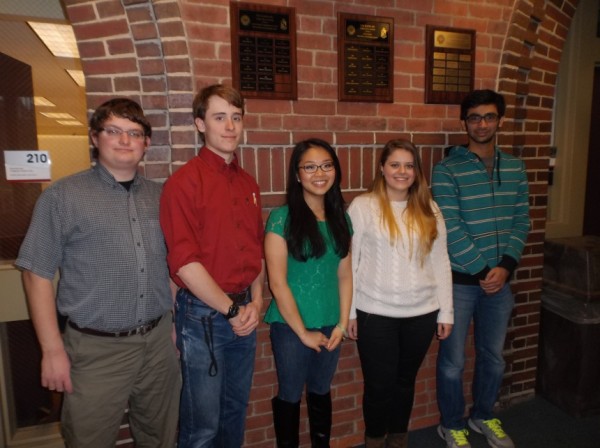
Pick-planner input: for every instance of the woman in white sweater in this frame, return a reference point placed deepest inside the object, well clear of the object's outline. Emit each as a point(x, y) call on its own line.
point(402, 289)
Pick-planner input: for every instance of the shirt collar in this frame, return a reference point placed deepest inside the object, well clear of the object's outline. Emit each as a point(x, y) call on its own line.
point(107, 177)
point(217, 162)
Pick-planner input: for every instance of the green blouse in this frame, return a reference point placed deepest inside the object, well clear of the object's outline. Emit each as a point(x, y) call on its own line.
point(314, 283)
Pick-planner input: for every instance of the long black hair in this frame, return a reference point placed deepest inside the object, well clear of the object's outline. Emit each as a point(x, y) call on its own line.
point(303, 238)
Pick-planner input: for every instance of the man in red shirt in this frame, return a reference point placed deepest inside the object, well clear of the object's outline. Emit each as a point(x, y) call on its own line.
point(211, 217)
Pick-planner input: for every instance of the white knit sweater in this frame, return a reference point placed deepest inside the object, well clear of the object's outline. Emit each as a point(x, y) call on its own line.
point(387, 281)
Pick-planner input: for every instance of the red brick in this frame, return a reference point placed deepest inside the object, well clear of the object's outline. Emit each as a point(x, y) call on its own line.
point(81, 13)
point(106, 28)
point(119, 46)
point(143, 31)
point(141, 13)
point(130, 83)
point(110, 66)
point(89, 50)
point(109, 9)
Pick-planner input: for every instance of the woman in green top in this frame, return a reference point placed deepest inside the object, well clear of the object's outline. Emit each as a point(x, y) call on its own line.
point(307, 250)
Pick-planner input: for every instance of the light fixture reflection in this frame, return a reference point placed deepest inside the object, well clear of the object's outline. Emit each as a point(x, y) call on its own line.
point(77, 76)
point(58, 115)
point(40, 101)
point(59, 38)
point(69, 122)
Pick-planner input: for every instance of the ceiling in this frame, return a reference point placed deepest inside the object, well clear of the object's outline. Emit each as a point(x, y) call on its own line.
point(50, 79)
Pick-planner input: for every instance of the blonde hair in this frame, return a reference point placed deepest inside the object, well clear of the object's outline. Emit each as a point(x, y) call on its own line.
point(419, 214)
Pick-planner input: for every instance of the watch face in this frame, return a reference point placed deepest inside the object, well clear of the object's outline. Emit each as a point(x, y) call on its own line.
point(233, 311)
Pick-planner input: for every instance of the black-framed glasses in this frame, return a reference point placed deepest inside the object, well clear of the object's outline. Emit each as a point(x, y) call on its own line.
point(135, 134)
point(476, 118)
point(312, 168)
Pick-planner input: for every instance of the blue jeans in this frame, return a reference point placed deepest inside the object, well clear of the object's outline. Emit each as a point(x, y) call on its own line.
point(491, 315)
point(217, 368)
point(297, 365)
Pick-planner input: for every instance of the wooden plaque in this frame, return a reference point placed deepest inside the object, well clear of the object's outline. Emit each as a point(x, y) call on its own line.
point(263, 51)
point(365, 58)
point(450, 64)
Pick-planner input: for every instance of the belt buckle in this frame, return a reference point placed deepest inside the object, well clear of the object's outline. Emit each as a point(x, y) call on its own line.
point(238, 297)
point(143, 329)
point(146, 328)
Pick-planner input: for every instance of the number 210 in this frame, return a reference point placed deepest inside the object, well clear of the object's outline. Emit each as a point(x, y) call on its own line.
point(37, 158)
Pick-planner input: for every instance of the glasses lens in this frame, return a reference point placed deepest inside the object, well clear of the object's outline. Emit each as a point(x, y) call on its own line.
point(116, 133)
point(488, 118)
point(136, 134)
point(112, 132)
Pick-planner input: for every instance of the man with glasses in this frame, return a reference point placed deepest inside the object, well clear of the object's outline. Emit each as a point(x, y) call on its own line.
point(100, 229)
point(483, 195)
point(212, 219)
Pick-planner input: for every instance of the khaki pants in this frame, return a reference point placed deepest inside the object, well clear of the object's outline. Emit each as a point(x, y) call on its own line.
point(109, 374)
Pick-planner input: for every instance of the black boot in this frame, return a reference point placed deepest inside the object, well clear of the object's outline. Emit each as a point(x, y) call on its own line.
point(319, 418)
point(286, 419)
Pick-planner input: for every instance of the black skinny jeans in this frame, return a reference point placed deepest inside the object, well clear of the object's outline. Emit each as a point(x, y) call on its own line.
point(391, 351)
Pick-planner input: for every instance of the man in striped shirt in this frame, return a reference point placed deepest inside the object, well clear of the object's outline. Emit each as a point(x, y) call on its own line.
point(483, 195)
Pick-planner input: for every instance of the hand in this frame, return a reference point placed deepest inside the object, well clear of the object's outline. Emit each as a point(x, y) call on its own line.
point(314, 340)
point(174, 339)
point(353, 329)
point(56, 371)
point(443, 331)
point(246, 321)
point(337, 336)
point(494, 280)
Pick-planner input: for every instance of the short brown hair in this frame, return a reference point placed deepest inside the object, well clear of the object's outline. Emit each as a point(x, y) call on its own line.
point(229, 94)
point(122, 108)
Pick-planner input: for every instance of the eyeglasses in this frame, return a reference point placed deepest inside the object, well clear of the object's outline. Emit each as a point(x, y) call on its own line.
point(312, 168)
point(116, 133)
point(476, 118)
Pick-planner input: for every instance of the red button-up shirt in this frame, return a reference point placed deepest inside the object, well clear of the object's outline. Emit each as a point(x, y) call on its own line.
point(210, 213)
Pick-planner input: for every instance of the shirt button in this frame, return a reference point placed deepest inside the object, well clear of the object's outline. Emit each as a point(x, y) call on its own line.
point(142, 270)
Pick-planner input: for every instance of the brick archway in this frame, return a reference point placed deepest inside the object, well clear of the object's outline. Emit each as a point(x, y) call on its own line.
point(527, 76)
point(138, 49)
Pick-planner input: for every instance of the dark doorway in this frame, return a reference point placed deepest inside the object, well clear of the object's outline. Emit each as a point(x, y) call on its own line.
point(591, 216)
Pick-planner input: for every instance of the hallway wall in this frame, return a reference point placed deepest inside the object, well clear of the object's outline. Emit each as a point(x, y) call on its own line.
point(161, 52)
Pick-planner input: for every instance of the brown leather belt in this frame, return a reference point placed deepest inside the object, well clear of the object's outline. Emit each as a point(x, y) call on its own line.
point(238, 297)
point(141, 329)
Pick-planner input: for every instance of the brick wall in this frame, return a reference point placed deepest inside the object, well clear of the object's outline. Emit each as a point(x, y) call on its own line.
point(160, 52)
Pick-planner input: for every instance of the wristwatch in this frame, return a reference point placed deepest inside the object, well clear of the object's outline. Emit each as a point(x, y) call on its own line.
point(233, 311)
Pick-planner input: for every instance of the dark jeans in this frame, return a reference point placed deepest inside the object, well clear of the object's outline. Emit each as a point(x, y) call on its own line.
point(297, 365)
point(391, 351)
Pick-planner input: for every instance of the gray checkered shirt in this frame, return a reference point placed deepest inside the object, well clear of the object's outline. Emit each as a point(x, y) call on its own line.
point(107, 244)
